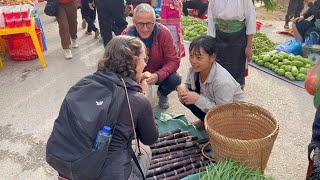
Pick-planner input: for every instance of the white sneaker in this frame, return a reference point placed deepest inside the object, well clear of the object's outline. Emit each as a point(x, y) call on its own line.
point(67, 53)
point(74, 43)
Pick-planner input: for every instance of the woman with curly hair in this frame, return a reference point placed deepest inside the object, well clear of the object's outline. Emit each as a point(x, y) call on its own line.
point(122, 63)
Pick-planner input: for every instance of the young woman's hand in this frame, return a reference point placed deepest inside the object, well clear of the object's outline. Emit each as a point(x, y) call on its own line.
point(144, 86)
point(189, 97)
point(182, 88)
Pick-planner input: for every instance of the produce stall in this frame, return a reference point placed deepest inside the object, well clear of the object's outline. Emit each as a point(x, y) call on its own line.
point(288, 67)
point(21, 30)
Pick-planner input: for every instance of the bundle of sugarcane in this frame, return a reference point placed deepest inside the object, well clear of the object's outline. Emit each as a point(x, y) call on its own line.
point(173, 136)
point(180, 172)
point(171, 161)
point(173, 141)
point(178, 146)
point(173, 166)
point(176, 154)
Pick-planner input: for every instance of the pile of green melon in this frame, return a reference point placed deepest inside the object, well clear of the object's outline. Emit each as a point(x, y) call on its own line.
point(294, 68)
point(193, 27)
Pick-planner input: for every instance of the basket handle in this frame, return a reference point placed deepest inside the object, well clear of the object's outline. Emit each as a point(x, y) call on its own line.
point(204, 154)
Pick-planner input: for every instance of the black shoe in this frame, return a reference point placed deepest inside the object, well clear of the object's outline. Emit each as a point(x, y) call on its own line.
point(286, 25)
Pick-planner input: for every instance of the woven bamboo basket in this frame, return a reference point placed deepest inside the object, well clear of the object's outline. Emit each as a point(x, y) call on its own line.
point(242, 132)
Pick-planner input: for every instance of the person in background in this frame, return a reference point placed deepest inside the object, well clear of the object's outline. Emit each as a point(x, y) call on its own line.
point(111, 17)
point(195, 4)
point(233, 24)
point(67, 20)
point(164, 60)
point(295, 7)
point(171, 18)
point(302, 27)
point(135, 3)
point(89, 15)
point(208, 84)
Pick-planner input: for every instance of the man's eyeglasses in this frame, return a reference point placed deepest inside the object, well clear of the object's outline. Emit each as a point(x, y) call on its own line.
point(149, 25)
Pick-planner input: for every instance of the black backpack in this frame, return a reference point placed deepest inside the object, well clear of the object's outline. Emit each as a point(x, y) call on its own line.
point(52, 8)
point(89, 105)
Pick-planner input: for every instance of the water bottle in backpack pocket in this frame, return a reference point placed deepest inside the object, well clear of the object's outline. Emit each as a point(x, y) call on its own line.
point(103, 138)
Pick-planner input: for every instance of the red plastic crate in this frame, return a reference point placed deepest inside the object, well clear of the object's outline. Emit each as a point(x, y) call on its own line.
point(20, 46)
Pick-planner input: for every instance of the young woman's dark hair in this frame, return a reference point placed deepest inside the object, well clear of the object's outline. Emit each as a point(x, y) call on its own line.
point(121, 55)
point(207, 43)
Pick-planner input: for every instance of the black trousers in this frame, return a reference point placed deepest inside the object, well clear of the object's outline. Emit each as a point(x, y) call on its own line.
point(169, 84)
point(295, 8)
point(193, 5)
point(231, 53)
point(89, 15)
point(110, 13)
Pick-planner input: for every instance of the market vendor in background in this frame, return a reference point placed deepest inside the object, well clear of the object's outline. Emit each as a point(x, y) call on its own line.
point(233, 24)
point(195, 4)
point(302, 27)
point(208, 84)
point(164, 59)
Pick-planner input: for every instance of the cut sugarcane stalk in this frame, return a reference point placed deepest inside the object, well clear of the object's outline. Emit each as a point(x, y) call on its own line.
point(171, 167)
point(179, 170)
point(169, 156)
point(173, 142)
point(170, 133)
point(153, 166)
point(173, 136)
point(180, 152)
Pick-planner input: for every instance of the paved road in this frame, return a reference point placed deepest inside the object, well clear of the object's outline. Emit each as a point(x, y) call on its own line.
point(31, 97)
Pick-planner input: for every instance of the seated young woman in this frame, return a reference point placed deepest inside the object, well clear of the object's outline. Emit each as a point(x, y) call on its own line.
point(208, 84)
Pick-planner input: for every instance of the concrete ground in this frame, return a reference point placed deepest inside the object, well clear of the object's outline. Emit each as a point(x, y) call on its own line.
point(30, 98)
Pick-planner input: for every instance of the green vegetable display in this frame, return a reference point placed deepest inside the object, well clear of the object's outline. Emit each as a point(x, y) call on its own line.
point(192, 27)
point(194, 31)
point(229, 170)
point(288, 65)
point(261, 44)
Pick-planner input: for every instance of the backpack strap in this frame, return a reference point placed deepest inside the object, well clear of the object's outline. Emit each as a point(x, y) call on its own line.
point(135, 134)
point(114, 111)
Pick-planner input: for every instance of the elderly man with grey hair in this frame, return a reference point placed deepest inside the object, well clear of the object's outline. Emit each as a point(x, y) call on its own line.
point(164, 59)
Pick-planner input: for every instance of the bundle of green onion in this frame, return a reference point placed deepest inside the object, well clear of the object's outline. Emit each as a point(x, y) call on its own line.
point(261, 44)
point(230, 170)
